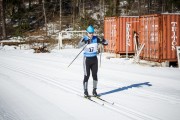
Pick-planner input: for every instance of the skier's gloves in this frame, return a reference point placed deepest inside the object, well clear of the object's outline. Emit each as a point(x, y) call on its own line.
point(85, 38)
point(104, 42)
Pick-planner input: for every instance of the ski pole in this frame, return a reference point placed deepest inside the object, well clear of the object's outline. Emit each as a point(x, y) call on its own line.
point(100, 55)
point(77, 55)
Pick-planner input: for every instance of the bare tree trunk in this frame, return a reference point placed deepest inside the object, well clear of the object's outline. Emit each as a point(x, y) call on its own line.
point(2, 9)
point(40, 1)
point(139, 7)
point(101, 4)
point(79, 7)
point(60, 14)
point(29, 4)
point(74, 13)
point(53, 13)
point(44, 11)
point(83, 8)
point(115, 7)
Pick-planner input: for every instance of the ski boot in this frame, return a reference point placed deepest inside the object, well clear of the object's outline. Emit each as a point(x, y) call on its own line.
point(94, 88)
point(86, 95)
point(94, 92)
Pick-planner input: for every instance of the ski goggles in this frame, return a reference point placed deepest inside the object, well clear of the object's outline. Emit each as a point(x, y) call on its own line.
point(90, 33)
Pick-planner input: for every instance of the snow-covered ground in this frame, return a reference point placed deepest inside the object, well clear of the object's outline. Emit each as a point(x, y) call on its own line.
point(41, 87)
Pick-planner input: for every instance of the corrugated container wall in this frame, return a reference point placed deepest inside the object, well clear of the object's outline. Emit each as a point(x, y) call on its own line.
point(161, 35)
point(126, 26)
point(119, 29)
point(110, 33)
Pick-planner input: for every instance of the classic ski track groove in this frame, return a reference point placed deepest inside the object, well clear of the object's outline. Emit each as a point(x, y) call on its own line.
point(116, 107)
point(152, 94)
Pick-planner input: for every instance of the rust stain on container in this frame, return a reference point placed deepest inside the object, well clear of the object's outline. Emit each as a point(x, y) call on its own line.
point(161, 35)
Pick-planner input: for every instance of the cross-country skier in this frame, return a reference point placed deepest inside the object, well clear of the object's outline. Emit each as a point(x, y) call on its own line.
point(90, 61)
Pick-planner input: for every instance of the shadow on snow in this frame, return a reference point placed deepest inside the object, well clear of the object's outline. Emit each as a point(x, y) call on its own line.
point(126, 88)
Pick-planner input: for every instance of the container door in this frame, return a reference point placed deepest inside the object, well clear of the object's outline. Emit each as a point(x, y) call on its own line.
point(150, 35)
point(110, 33)
point(154, 38)
point(126, 26)
point(171, 36)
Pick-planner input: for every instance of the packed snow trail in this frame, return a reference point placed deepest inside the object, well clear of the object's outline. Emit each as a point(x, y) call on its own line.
point(40, 86)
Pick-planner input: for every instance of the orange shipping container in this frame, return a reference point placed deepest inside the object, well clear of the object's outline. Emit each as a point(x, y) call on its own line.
point(161, 35)
point(126, 26)
point(119, 29)
point(110, 33)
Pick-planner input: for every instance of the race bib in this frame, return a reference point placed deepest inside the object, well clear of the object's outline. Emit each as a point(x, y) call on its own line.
point(91, 48)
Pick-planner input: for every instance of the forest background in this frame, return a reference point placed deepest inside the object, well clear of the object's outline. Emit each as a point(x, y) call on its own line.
point(29, 17)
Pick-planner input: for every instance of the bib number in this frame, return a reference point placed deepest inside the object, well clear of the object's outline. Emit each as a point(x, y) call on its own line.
point(91, 49)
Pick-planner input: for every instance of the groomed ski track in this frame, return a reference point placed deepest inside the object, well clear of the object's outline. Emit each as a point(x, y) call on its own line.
point(70, 82)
